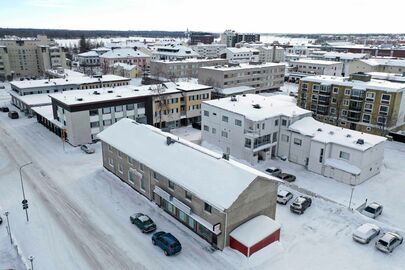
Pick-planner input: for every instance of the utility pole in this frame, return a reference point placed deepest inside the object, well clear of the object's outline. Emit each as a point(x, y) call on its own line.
point(24, 202)
point(31, 259)
point(8, 227)
point(351, 196)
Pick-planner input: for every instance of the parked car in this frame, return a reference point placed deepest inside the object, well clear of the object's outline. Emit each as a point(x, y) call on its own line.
point(287, 177)
point(365, 233)
point(283, 196)
point(389, 241)
point(4, 109)
point(87, 149)
point(1, 220)
point(274, 171)
point(13, 115)
point(143, 222)
point(373, 210)
point(300, 204)
point(167, 242)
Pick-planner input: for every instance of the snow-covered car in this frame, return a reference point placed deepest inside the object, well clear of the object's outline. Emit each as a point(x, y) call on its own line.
point(388, 242)
point(286, 177)
point(365, 233)
point(300, 204)
point(273, 171)
point(373, 210)
point(283, 196)
point(87, 149)
point(143, 222)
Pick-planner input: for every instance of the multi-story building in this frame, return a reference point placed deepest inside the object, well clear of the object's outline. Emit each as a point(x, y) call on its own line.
point(240, 55)
point(210, 195)
point(232, 91)
point(357, 102)
point(126, 70)
point(248, 126)
point(306, 67)
point(173, 52)
point(378, 65)
point(182, 68)
point(201, 37)
point(230, 38)
point(347, 59)
point(89, 62)
point(263, 77)
point(30, 57)
point(209, 50)
point(126, 56)
point(267, 52)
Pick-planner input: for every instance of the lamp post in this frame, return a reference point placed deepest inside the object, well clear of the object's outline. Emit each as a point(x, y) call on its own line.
point(31, 259)
point(25, 202)
point(8, 227)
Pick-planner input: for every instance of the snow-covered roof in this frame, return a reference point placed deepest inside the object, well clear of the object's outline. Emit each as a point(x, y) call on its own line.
point(241, 50)
point(123, 53)
point(314, 62)
point(244, 66)
point(47, 112)
point(204, 173)
point(345, 56)
point(373, 84)
point(88, 54)
point(236, 90)
point(384, 62)
point(343, 166)
point(187, 86)
point(33, 100)
point(395, 77)
point(255, 230)
point(271, 106)
point(326, 133)
point(191, 60)
point(174, 50)
point(124, 66)
point(75, 80)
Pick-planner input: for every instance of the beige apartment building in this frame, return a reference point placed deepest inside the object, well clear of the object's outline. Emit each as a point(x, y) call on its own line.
point(263, 77)
point(357, 102)
point(208, 194)
point(29, 57)
point(385, 65)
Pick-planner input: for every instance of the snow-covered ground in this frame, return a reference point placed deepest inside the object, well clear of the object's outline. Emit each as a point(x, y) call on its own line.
point(79, 215)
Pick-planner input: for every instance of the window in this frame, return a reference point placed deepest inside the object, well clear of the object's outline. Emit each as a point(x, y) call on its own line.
point(332, 110)
point(285, 138)
point(118, 108)
point(171, 185)
point(131, 177)
point(344, 155)
point(333, 101)
point(345, 102)
point(120, 168)
point(206, 113)
point(141, 167)
point(94, 124)
point(214, 131)
point(188, 195)
point(142, 183)
point(335, 90)
point(106, 110)
point(368, 107)
point(385, 98)
point(284, 122)
point(366, 118)
point(297, 141)
point(206, 128)
point(110, 148)
point(130, 160)
point(275, 136)
point(130, 107)
point(156, 175)
point(370, 96)
point(239, 122)
point(107, 122)
point(347, 92)
point(384, 110)
point(207, 208)
point(93, 112)
point(276, 122)
point(141, 105)
point(321, 156)
point(381, 120)
point(225, 118)
point(224, 134)
point(344, 112)
point(248, 143)
point(111, 162)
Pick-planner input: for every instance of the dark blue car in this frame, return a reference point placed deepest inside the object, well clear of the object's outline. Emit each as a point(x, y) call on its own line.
point(167, 242)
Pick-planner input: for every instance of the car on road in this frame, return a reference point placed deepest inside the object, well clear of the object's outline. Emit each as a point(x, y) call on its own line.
point(300, 204)
point(4, 109)
point(287, 177)
point(283, 196)
point(13, 115)
point(388, 242)
point(143, 222)
point(87, 149)
point(167, 242)
point(373, 210)
point(273, 171)
point(365, 233)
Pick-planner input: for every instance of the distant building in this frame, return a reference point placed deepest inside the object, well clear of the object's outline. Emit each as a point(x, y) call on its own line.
point(89, 62)
point(230, 38)
point(347, 59)
point(267, 52)
point(209, 50)
point(307, 67)
point(232, 91)
point(173, 52)
point(125, 56)
point(263, 77)
point(29, 57)
point(210, 195)
point(240, 55)
point(378, 65)
point(201, 37)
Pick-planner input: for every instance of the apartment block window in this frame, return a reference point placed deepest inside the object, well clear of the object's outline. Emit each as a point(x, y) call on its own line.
point(141, 105)
point(118, 108)
point(225, 118)
point(94, 124)
point(107, 122)
point(347, 92)
point(285, 138)
point(224, 134)
point(370, 96)
point(248, 143)
point(333, 101)
point(130, 160)
point(111, 162)
point(332, 110)
point(206, 128)
point(283, 122)
point(156, 175)
point(335, 90)
point(131, 177)
point(345, 102)
point(214, 130)
point(385, 98)
point(344, 155)
point(381, 120)
point(120, 154)
point(207, 208)
point(93, 112)
point(141, 167)
point(130, 107)
point(120, 168)
point(297, 141)
point(110, 148)
point(142, 183)
point(368, 107)
point(188, 195)
point(275, 137)
point(206, 113)
point(276, 122)
point(106, 110)
point(384, 110)
point(344, 112)
point(239, 122)
point(366, 118)
point(171, 185)
point(321, 156)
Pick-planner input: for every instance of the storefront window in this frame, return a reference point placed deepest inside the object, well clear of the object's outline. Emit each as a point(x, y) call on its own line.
point(191, 222)
point(182, 216)
point(204, 232)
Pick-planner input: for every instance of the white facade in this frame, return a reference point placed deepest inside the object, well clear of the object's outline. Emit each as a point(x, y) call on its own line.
point(209, 50)
point(240, 55)
point(306, 67)
point(173, 52)
point(345, 155)
point(246, 131)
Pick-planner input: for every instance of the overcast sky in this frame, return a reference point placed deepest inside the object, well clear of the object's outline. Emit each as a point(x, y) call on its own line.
point(263, 16)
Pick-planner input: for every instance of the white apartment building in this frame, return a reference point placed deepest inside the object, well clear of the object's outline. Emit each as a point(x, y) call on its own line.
point(173, 52)
point(306, 67)
point(263, 77)
point(89, 62)
point(346, 58)
point(240, 55)
point(267, 52)
point(345, 155)
point(248, 126)
point(209, 50)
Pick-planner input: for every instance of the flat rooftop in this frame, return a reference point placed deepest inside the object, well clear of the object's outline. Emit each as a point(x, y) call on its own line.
point(271, 106)
point(244, 66)
point(190, 60)
point(315, 62)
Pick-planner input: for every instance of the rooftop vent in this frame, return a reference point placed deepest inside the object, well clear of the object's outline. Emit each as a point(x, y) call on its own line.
point(225, 156)
point(136, 90)
point(348, 136)
point(110, 91)
point(169, 140)
point(79, 99)
point(319, 129)
point(118, 96)
point(96, 93)
point(244, 95)
point(256, 106)
point(233, 98)
point(331, 132)
point(360, 141)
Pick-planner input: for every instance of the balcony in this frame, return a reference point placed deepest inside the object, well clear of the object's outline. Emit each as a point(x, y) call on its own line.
point(357, 97)
point(354, 116)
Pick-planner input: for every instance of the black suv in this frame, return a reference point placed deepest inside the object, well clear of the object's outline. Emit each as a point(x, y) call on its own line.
point(300, 204)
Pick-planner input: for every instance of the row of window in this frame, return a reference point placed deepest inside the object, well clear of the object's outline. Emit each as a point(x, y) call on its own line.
point(120, 108)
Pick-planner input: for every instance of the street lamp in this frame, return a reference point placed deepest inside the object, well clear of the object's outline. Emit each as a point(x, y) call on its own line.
point(31, 259)
point(25, 202)
point(8, 227)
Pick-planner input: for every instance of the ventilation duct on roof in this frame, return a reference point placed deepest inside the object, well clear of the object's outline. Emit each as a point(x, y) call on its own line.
point(233, 98)
point(360, 141)
point(169, 140)
point(319, 129)
point(256, 106)
point(331, 132)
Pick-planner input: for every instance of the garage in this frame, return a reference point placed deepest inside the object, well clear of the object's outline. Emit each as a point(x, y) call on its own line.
point(254, 235)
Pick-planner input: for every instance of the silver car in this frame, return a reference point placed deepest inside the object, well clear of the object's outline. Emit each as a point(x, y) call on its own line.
point(365, 233)
point(388, 242)
point(283, 196)
point(373, 210)
point(87, 149)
